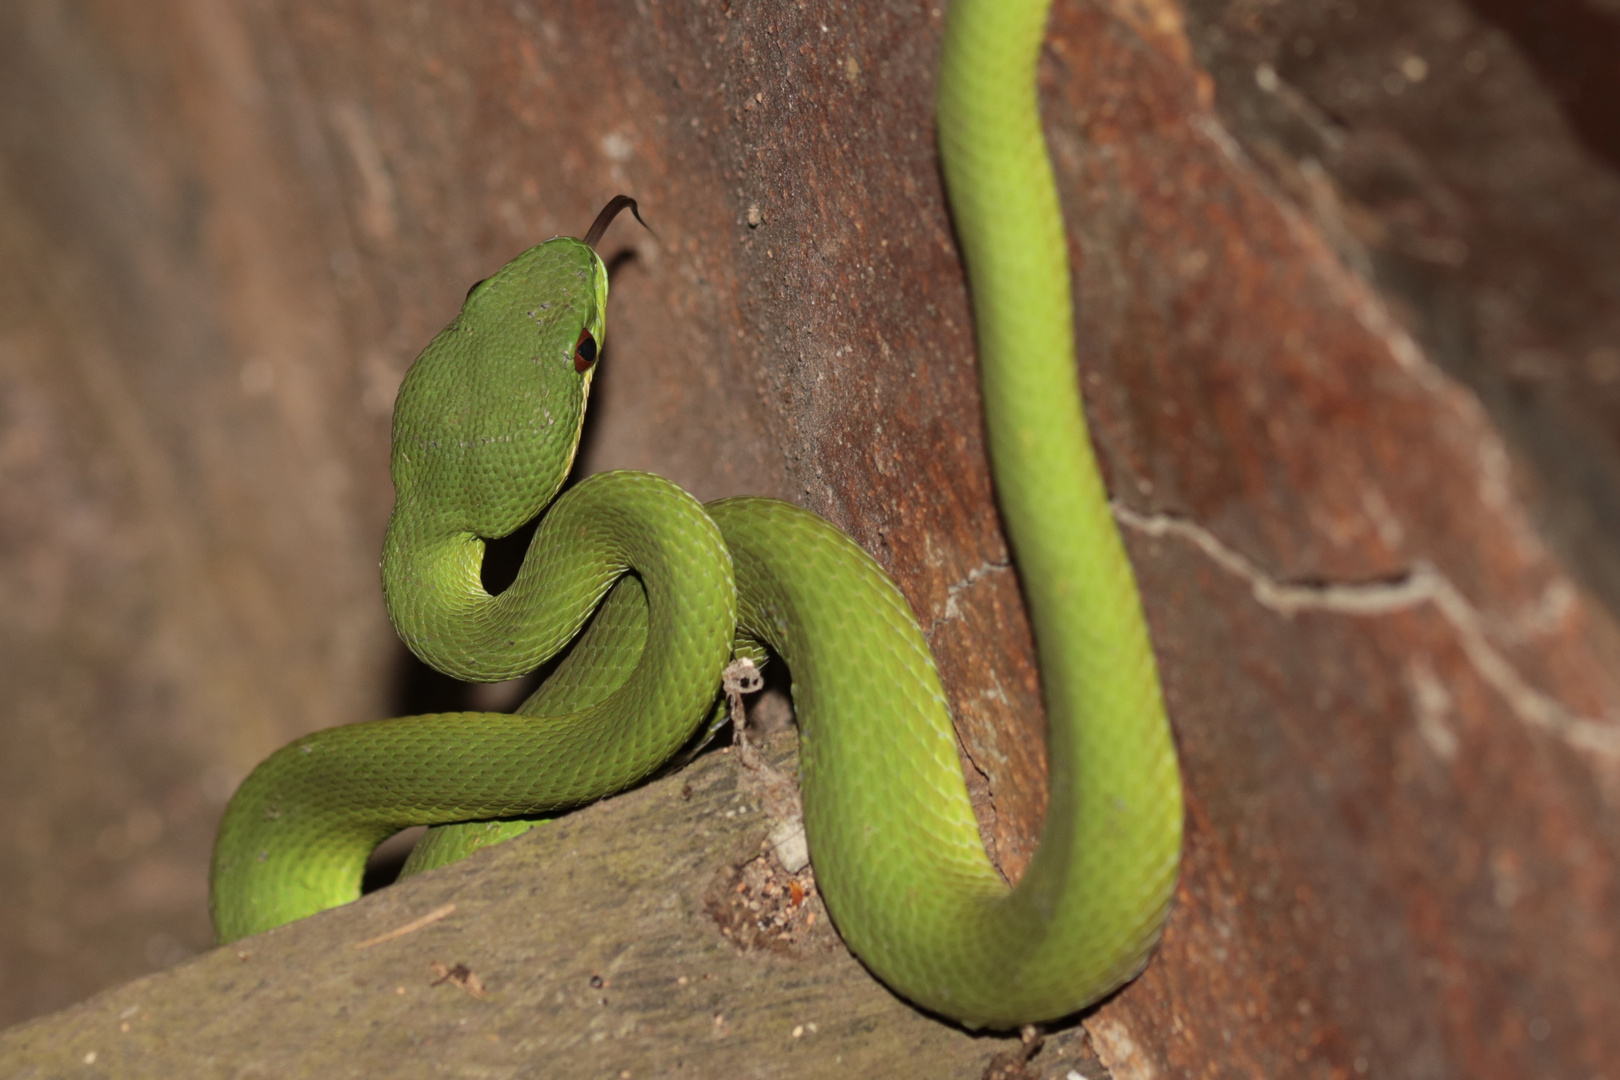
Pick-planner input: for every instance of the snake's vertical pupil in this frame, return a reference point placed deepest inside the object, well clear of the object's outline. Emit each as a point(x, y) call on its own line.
point(584, 351)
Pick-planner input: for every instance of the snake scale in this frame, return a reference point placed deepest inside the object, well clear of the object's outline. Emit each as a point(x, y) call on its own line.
point(657, 593)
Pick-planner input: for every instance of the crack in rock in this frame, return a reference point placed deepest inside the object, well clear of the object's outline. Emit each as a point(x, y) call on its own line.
point(1422, 584)
point(954, 611)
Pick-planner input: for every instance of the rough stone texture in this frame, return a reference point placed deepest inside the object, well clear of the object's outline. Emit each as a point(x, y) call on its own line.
point(1347, 275)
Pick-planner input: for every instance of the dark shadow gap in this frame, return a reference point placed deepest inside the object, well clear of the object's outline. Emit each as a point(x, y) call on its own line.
point(1575, 49)
point(383, 868)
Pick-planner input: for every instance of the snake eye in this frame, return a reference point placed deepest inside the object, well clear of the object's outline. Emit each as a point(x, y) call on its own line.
point(473, 288)
point(584, 351)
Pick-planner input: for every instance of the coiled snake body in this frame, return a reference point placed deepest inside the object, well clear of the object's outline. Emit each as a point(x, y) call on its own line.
point(485, 429)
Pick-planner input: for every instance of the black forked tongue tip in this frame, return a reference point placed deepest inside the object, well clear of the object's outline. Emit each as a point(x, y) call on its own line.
point(609, 212)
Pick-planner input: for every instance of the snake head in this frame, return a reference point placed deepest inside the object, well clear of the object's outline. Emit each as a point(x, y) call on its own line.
point(488, 418)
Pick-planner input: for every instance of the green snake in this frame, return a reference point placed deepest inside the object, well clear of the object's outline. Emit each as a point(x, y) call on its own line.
point(649, 595)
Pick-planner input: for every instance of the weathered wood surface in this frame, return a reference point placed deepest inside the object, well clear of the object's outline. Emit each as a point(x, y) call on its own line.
point(598, 951)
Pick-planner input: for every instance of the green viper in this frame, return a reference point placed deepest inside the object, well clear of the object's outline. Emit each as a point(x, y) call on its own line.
point(667, 591)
